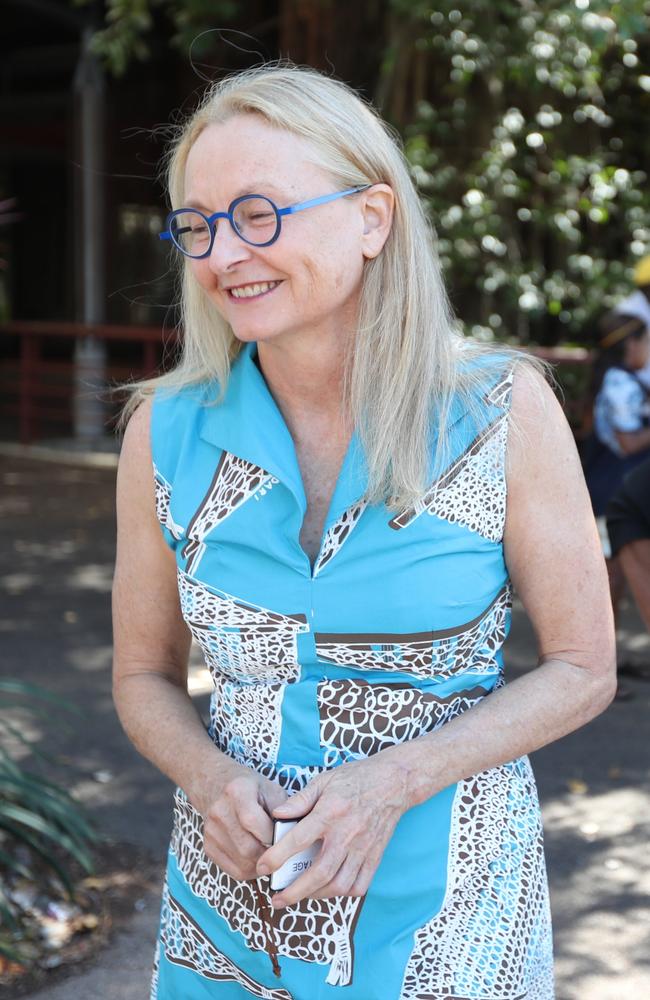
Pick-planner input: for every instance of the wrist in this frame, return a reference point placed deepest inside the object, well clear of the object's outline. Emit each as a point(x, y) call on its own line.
point(413, 772)
point(209, 780)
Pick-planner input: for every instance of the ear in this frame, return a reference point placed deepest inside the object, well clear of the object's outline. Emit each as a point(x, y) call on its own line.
point(377, 207)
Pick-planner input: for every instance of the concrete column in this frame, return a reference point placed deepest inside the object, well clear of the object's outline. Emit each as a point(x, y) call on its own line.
point(90, 197)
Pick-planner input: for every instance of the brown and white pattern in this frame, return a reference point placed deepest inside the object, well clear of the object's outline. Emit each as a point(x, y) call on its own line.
point(292, 777)
point(501, 394)
point(243, 641)
point(338, 533)
point(491, 939)
point(472, 492)
point(184, 943)
point(359, 719)
point(234, 482)
point(313, 930)
point(163, 493)
point(153, 993)
point(247, 720)
point(470, 647)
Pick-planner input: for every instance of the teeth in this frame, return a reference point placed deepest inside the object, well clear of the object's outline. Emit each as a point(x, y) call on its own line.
point(248, 291)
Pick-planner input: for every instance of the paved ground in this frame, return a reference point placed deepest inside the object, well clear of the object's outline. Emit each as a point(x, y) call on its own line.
point(56, 556)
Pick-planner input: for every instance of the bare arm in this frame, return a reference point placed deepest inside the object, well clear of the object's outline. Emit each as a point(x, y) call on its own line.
point(151, 640)
point(555, 561)
point(151, 650)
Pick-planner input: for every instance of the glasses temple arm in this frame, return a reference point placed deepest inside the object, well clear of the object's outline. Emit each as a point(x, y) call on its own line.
point(323, 200)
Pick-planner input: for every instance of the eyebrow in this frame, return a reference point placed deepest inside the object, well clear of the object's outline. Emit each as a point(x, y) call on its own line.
point(261, 188)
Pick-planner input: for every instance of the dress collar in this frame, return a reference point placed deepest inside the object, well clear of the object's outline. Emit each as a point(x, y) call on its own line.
point(249, 424)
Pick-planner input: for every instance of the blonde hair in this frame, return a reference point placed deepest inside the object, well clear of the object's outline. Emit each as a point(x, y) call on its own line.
point(404, 366)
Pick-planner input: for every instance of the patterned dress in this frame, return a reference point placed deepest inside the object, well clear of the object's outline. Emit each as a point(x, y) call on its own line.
point(396, 629)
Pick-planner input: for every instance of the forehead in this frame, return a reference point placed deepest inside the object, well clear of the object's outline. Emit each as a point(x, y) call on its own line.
point(247, 154)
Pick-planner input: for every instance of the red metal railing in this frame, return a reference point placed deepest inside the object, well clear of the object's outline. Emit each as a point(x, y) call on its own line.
point(36, 388)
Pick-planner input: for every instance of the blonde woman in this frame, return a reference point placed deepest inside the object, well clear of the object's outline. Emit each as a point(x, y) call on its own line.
point(325, 495)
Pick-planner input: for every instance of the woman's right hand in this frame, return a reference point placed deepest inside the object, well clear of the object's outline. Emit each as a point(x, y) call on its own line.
point(237, 820)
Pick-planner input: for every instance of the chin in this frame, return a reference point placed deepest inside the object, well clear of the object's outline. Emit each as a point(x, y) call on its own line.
point(259, 336)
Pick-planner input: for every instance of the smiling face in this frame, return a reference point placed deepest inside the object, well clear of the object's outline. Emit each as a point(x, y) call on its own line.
point(307, 282)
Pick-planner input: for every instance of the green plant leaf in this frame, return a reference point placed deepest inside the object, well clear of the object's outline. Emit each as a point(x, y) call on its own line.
point(26, 818)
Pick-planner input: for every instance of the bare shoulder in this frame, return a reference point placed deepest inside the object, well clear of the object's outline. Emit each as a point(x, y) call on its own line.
point(135, 475)
point(540, 441)
point(534, 402)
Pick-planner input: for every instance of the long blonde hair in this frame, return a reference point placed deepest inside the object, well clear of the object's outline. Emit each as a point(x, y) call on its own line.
point(404, 366)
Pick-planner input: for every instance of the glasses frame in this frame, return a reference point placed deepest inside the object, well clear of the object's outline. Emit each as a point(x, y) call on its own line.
point(210, 220)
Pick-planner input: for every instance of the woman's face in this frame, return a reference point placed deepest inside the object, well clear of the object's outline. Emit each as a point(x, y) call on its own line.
point(316, 264)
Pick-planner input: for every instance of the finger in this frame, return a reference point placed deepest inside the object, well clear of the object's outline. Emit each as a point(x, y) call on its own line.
point(239, 844)
point(371, 862)
point(364, 878)
point(300, 803)
point(344, 879)
point(322, 871)
point(255, 821)
point(242, 871)
point(271, 795)
point(303, 835)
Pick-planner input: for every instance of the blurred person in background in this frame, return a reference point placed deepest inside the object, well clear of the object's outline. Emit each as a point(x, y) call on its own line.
point(620, 438)
point(638, 304)
point(628, 528)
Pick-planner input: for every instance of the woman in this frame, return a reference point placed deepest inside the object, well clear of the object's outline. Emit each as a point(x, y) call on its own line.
point(330, 479)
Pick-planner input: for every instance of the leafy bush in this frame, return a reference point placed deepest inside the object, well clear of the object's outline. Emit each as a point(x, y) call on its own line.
point(42, 827)
point(521, 123)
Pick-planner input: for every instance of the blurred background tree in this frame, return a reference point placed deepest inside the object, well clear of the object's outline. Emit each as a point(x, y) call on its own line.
point(520, 120)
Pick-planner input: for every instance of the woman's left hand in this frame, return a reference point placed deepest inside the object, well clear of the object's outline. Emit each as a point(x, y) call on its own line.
point(353, 809)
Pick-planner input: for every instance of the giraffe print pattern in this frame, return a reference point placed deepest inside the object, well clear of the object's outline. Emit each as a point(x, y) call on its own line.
point(472, 491)
point(359, 719)
point(235, 481)
point(501, 393)
point(338, 533)
point(163, 494)
point(243, 641)
point(491, 936)
point(247, 720)
point(155, 974)
point(313, 930)
point(184, 943)
point(471, 647)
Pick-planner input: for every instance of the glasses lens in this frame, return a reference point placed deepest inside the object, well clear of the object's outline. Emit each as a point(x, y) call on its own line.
point(256, 220)
point(191, 233)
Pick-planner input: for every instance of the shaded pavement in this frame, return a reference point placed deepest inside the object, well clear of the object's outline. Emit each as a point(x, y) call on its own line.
point(56, 560)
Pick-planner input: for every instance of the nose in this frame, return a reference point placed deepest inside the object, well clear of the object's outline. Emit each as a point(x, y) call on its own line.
point(228, 249)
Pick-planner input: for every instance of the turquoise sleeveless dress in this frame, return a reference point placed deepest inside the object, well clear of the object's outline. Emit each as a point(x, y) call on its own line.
point(395, 630)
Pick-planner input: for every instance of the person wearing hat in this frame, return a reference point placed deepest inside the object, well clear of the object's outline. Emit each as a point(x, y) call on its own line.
point(638, 304)
point(621, 431)
point(620, 439)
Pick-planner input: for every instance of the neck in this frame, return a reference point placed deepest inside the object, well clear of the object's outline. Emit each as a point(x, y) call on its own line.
point(305, 377)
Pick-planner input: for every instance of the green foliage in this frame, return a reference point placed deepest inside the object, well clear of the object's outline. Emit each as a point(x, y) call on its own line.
point(129, 24)
point(41, 826)
point(523, 123)
point(526, 146)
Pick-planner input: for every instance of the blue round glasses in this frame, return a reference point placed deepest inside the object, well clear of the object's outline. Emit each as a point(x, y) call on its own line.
point(254, 217)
